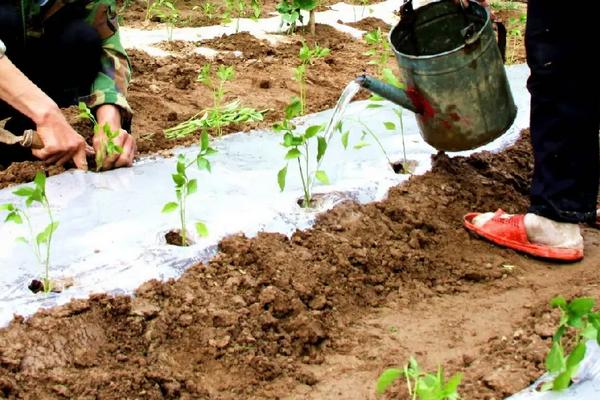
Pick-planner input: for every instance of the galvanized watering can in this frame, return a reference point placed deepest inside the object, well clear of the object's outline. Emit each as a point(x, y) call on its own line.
point(453, 72)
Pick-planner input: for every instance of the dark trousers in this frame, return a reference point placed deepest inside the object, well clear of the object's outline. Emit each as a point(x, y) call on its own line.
point(63, 62)
point(565, 108)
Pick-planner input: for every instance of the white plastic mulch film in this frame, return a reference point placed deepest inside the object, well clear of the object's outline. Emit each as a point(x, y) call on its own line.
point(111, 230)
point(586, 384)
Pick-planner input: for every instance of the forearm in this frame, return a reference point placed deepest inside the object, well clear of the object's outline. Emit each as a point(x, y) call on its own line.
point(109, 114)
point(23, 95)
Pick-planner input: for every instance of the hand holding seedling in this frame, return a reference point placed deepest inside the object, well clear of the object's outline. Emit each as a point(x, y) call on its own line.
point(113, 146)
point(109, 115)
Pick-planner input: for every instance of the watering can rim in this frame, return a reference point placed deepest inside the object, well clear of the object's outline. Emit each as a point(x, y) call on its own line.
point(425, 57)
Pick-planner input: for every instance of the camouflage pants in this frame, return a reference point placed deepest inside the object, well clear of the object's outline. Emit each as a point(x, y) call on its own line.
point(63, 62)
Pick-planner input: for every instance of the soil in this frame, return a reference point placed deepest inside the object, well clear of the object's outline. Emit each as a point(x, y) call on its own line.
point(321, 314)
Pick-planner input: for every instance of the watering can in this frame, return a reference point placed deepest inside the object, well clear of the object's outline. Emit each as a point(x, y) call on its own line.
point(453, 73)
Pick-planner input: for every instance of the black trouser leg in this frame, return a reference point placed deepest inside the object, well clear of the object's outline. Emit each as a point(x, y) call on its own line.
point(565, 104)
point(64, 63)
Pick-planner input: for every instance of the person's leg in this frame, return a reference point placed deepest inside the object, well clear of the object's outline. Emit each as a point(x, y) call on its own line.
point(564, 125)
point(565, 97)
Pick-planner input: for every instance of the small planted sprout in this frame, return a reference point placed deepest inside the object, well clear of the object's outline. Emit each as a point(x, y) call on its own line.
point(291, 13)
point(167, 11)
point(107, 146)
point(219, 115)
point(379, 50)
point(184, 187)
point(299, 150)
point(307, 56)
point(40, 242)
point(577, 316)
point(421, 385)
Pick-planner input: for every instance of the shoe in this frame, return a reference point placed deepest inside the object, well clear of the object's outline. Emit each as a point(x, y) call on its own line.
point(510, 232)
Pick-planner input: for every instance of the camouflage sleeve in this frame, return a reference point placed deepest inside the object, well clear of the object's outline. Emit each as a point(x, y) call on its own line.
point(110, 86)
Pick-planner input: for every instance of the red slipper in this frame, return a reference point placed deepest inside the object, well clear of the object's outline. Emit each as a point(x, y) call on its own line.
point(510, 232)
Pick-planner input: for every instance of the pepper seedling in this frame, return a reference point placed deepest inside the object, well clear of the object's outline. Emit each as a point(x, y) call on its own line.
point(167, 11)
point(421, 385)
point(307, 56)
point(219, 115)
point(577, 316)
point(184, 186)
point(291, 13)
point(108, 146)
point(40, 242)
point(298, 146)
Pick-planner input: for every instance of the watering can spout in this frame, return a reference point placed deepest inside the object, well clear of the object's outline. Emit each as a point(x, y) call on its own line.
point(388, 92)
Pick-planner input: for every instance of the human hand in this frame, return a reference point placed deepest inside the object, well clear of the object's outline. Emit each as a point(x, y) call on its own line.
point(125, 141)
point(61, 142)
point(109, 114)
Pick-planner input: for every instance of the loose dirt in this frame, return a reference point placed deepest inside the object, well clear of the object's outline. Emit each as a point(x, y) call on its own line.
point(321, 314)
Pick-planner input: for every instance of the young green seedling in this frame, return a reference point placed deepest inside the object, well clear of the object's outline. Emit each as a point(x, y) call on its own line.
point(219, 115)
point(307, 56)
point(184, 186)
point(576, 316)
point(40, 242)
point(291, 13)
point(107, 146)
point(167, 11)
point(256, 9)
point(234, 8)
point(298, 146)
point(421, 385)
point(379, 50)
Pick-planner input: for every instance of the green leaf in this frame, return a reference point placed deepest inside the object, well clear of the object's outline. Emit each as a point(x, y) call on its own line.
point(281, 178)
point(45, 235)
point(562, 381)
point(312, 131)
point(7, 207)
point(14, 217)
point(321, 147)
point(452, 384)
point(576, 356)
point(178, 179)
point(360, 145)
point(192, 186)
point(390, 126)
point(40, 180)
point(24, 191)
point(293, 109)
point(555, 361)
point(21, 239)
point(389, 77)
point(559, 301)
point(181, 167)
point(322, 177)
point(203, 164)
point(293, 154)
point(581, 306)
point(345, 137)
point(201, 229)
point(374, 105)
point(204, 140)
point(386, 379)
point(170, 207)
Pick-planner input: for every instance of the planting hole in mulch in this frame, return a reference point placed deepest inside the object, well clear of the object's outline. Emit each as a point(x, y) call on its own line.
point(401, 167)
point(174, 238)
